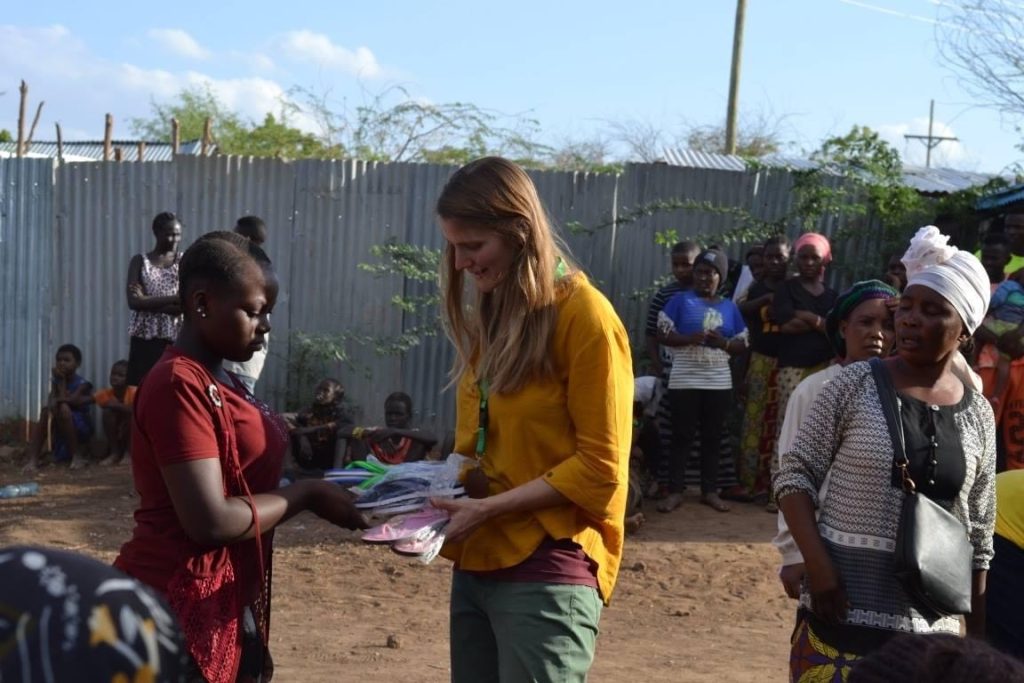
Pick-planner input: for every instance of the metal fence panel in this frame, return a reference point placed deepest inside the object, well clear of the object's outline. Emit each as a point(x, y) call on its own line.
point(103, 218)
point(66, 250)
point(26, 250)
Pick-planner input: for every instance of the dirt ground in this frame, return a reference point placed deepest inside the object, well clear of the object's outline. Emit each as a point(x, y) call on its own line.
point(697, 599)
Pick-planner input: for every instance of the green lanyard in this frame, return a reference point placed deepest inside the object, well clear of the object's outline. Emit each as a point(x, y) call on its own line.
point(481, 430)
point(561, 270)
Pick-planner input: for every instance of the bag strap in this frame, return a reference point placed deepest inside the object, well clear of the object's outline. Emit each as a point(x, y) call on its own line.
point(890, 408)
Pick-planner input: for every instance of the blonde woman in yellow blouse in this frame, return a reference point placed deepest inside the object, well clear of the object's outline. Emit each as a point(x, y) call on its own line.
point(545, 390)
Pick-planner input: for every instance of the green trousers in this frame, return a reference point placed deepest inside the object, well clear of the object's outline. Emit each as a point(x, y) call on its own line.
point(512, 632)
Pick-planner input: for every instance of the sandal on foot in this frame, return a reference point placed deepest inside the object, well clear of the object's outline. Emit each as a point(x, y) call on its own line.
point(670, 502)
point(713, 501)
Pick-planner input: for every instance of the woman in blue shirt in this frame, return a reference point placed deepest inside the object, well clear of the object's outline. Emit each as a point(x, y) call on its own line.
point(703, 330)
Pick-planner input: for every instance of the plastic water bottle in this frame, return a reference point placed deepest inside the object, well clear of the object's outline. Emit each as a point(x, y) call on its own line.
point(30, 488)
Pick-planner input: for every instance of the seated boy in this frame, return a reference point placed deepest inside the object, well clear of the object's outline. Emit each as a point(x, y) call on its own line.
point(396, 442)
point(115, 402)
point(66, 413)
point(319, 439)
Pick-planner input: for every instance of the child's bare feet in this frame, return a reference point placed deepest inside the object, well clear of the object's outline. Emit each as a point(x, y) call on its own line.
point(634, 522)
point(112, 459)
point(78, 463)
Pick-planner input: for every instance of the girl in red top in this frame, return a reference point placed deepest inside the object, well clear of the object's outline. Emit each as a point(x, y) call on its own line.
point(206, 459)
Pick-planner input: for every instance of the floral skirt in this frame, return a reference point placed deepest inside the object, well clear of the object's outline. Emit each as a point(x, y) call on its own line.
point(812, 660)
point(760, 430)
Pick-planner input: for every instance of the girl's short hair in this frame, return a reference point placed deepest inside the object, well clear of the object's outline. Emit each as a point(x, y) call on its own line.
point(217, 257)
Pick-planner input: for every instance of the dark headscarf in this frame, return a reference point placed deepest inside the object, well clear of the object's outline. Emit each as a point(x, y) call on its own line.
point(860, 292)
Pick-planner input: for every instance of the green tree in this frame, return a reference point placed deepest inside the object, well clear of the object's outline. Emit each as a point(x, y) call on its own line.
point(231, 133)
point(192, 106)
point(274, 138)
point(5, 135)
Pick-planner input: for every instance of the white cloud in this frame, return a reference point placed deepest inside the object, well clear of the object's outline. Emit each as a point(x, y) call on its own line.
point(316, 48)
point(179, 42)
point(948, 153)
point(79, 87)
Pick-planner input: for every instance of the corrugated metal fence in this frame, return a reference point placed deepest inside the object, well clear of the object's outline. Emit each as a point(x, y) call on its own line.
point(67, 234)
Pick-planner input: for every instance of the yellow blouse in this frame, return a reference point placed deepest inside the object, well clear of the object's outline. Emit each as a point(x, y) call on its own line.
point(573, 428)
point(1010, 506)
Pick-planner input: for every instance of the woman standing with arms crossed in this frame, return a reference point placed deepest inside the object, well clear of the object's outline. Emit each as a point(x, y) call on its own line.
point(851, 602)
point(155, 310)
point(545, 391)
point(206, 461)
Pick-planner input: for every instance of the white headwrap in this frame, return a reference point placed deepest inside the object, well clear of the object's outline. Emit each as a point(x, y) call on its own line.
point(957, 275)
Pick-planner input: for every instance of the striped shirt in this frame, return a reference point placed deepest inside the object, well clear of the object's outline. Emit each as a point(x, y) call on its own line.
point(701, 367)
point(657, 304)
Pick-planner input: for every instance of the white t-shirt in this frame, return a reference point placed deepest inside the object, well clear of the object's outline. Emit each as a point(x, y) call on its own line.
point(253, 367)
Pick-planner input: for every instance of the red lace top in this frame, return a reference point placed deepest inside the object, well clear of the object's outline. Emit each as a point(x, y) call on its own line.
point(181, 414)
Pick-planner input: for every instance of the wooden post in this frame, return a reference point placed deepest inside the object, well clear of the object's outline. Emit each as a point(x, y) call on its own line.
point(142, 151)
point(118, 154)
point(60, 145)
point(207, 135)
point(23, 89)
point(734, 78)
point(108, 134)
point(32, 130)
point(175, 136)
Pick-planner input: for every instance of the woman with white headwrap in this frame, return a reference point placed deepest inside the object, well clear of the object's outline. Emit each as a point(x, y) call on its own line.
point(851, 602)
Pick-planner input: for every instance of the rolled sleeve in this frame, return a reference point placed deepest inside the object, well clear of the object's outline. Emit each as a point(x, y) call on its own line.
point(600, 403)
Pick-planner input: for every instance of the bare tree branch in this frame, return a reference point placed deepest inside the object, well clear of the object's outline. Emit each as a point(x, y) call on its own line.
point(982, 41)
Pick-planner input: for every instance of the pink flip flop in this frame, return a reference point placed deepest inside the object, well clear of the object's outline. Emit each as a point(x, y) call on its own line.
point(405, 526)
point(425, 545)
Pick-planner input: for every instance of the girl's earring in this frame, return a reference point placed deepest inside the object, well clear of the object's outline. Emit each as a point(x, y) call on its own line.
point(201, 311)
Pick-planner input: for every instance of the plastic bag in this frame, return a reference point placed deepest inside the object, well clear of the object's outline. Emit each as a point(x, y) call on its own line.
point(407, 486)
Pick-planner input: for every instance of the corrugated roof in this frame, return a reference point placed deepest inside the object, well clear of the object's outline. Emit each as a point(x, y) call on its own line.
point(93, 149)
point(1005, 197)
point(925, 180)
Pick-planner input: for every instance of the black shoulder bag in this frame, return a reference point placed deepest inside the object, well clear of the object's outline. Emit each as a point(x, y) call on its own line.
point(933, 554)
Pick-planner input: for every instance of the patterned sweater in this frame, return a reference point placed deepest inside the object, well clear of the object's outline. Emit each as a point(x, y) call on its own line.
point(845, 435)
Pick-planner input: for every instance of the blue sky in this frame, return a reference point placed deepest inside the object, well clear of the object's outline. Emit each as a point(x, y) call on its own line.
point(820, 66)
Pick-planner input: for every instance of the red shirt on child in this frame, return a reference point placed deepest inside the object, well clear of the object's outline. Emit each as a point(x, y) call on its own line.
point(180, 415)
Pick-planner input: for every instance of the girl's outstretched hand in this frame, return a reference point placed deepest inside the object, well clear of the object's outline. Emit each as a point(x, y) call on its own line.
point(333, 503)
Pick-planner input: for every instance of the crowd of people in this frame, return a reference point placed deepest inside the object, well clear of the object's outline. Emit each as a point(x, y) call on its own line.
point(563, 444)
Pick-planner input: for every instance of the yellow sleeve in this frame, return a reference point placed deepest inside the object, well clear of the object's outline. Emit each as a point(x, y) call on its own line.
point(600, 402)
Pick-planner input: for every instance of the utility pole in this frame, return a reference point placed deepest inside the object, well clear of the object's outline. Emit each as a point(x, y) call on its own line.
point(930, 141)
point(734, 78)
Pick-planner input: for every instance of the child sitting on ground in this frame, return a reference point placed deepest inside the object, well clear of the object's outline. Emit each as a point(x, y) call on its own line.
point(397, 442)
point(1005, 313)
point(115, 402)
point(319, 440)
point(66, 413)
